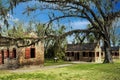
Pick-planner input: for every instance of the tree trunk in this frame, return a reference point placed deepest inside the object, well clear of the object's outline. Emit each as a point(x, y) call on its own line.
point(107, 49)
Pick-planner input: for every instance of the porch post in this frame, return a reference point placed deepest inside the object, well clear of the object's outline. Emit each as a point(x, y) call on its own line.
point(95, 56)
point(100, 57)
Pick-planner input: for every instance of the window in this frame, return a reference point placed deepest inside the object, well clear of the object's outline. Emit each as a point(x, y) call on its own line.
point(90, 54)
point(14, 53)
point(85, 54)
point(67, 54)
point(116, 54)
point(2, 56)
point(72, 53)
point(101, 54)
point(29, 53)
point(8, 53)
point(32, 52)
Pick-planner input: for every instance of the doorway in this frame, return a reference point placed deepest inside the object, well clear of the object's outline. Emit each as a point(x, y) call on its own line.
point(77, 56)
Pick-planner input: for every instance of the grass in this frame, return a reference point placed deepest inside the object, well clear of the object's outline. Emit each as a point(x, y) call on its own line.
point(50, 62)
point(73, 72)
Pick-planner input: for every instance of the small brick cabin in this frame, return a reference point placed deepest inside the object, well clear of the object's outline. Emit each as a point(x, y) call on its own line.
point(89, 52)
point(14, 57)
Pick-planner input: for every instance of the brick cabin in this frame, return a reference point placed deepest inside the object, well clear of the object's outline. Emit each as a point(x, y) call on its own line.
point(89, 52)
point(13, 57)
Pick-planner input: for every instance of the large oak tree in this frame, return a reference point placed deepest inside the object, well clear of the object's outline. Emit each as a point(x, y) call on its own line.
point(100, 13)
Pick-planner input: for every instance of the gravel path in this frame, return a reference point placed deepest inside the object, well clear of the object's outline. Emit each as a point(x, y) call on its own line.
point(36, 68)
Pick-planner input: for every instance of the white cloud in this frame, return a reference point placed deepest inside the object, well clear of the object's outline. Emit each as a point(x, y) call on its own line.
point(1, 23)
point(11, 18)
point(79, 24)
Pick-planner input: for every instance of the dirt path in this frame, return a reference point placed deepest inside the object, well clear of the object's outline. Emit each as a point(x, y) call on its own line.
point(35, 68)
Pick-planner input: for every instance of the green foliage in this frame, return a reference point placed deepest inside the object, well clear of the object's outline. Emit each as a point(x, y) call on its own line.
point(17, 31)
point(91, 38)
point(40, 30)
point(56, 46)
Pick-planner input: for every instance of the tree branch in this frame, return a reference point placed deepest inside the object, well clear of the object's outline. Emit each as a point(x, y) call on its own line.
point(60, 17)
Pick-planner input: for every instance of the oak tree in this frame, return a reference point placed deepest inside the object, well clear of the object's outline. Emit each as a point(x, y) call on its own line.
point(100, 13)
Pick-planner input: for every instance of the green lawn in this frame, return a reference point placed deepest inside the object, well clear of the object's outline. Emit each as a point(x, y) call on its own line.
point(73, 72)
point(50, 62)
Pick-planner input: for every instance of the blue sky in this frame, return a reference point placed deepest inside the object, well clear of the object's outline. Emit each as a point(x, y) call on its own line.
point(42, 17)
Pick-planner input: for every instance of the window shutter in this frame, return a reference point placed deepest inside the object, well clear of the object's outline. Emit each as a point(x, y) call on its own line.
point(5, 54)
point(27, 53)
point(0, 58)
point(12, 54)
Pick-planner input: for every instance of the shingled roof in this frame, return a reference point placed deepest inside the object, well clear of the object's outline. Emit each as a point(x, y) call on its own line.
point(115, 48)
point(81, 47)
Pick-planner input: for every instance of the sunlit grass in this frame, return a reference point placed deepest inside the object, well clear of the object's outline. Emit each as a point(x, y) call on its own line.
point(73, 72)
point(50, 62)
